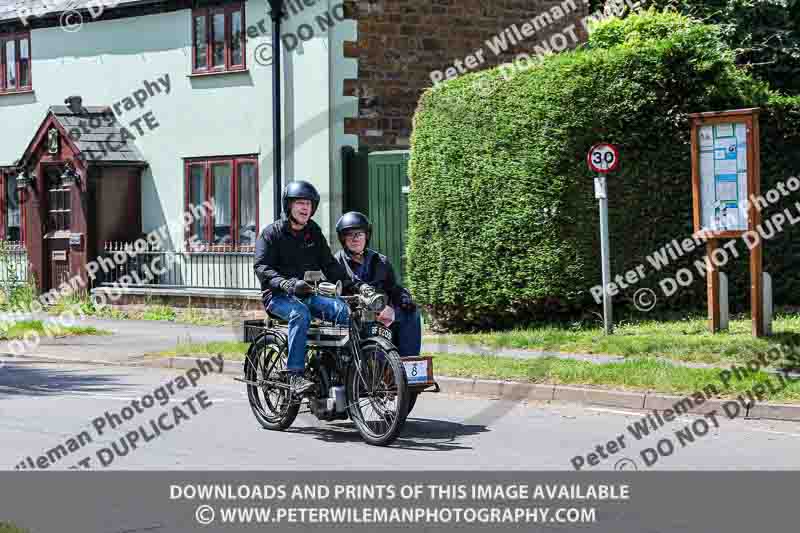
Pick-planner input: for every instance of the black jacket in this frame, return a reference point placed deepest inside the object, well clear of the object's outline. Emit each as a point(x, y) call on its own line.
point(282, 254)
point(381, 274)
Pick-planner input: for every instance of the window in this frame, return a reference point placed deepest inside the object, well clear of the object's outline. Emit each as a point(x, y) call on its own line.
point(58, 201)
point(15, 62)
point(232, 185)
point(11, 212)
point(218, 39)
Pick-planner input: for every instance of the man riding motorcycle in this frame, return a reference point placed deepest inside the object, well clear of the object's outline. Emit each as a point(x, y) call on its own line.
point(366, 265)
point(285, 250)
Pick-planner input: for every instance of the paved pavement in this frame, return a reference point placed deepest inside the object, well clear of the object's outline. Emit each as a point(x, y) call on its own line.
point(131, 339)
point(42, 406)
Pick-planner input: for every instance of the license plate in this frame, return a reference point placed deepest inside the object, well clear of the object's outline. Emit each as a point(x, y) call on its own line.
point(376, 330)
point(416, 371)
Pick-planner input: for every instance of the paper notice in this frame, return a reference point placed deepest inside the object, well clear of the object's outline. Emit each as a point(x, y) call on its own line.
point(725, 166)
point(706, 137)
point(726, 190)
point(725, 130)
point(728, 144)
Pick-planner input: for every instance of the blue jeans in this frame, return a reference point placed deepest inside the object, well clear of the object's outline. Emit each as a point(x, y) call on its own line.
point(407, 332)
point(298, 314)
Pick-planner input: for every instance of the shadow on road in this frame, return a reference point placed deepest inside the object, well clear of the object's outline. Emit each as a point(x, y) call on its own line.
point(25, 380)
point(420, 434)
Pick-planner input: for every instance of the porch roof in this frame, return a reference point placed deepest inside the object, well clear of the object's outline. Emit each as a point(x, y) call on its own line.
point(97, 133)
point(93, 131)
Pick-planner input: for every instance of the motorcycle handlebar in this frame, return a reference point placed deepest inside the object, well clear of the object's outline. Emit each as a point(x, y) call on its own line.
point(367, 295)
point(374, 302)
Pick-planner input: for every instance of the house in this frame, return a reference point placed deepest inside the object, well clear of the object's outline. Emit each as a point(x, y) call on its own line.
point(155, 106)
point(118, 116)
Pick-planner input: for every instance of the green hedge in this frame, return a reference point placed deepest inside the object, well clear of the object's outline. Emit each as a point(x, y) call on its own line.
point(765, 34)
point(503, 221)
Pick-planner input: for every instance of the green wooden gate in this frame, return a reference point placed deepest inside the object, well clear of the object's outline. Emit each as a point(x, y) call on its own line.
point(377, 185)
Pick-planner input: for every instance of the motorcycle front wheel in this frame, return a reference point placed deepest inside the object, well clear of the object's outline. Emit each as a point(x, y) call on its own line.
point(377, 394)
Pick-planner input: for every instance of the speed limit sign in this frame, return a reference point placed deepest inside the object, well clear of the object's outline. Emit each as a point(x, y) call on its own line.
point(603, 158)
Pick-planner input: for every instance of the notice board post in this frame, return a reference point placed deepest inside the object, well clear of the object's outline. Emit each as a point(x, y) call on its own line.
point(725, 175)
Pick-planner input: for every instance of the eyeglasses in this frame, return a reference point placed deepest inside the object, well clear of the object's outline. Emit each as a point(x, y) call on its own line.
point(355, 235)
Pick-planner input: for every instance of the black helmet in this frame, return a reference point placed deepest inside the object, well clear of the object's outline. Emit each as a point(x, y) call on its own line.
point(296, 190)
point(353, 220)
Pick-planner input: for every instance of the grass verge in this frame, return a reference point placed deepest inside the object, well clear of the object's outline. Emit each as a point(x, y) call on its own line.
point(231, 350)
point(190, 315)
point(681, 340)
point(19, 330)
point(637, 374)
point(6, 527)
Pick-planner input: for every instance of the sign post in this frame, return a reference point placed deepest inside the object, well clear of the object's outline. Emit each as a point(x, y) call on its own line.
point(603, 158)
point(725, 175)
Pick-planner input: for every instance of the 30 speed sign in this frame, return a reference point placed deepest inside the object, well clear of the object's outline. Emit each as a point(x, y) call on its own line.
point(603, 158)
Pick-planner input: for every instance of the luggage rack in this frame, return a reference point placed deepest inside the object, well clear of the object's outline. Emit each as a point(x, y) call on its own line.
point(318, 334)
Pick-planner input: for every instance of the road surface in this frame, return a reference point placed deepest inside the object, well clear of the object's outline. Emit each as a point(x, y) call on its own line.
point(43, 406)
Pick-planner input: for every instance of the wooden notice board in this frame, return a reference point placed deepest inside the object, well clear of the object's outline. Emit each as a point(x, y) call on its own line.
point(725, 175)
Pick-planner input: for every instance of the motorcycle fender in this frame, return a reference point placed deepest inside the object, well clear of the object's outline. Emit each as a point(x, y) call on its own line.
point(281, 337)
point(388, 346)
point(380, 341)
point(383, 343)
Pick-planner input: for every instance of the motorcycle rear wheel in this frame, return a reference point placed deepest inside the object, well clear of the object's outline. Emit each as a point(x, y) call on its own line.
point(377, 397)
point(272, 406)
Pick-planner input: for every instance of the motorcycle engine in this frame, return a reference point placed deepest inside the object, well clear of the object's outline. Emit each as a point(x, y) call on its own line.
point(331, 402)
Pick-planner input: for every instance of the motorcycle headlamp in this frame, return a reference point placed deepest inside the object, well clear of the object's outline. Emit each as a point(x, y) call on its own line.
point(376, 302)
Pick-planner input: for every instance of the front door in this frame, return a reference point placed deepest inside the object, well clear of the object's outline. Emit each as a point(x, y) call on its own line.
point(57, 227)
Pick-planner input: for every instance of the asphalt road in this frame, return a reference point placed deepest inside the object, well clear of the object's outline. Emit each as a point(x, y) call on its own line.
point(45, 405)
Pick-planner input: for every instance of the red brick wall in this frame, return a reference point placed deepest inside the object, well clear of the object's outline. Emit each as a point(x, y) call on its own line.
point(401, 41)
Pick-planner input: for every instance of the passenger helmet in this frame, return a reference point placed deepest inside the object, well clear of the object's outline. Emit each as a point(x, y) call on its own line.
point(297, 190)
point(350, 221)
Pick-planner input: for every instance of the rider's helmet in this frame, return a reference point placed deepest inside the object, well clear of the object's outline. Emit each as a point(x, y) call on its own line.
point(350, 221)
point(297, 190)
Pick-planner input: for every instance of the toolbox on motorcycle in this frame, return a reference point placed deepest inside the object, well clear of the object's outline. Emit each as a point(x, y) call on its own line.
point(318, 335)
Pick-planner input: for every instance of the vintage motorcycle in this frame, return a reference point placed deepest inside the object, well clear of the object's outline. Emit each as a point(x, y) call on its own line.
point(356, 370)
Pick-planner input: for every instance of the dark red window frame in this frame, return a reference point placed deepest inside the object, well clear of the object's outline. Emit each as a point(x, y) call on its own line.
point(208, 13)
point(207, 239)
point(16, 38)
point(5, 175)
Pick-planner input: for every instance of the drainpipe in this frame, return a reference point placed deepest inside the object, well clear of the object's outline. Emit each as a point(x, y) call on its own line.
point(276, 12)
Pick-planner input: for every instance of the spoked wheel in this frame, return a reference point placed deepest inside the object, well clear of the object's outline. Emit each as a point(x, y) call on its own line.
point(377, 396)
point(266, 361)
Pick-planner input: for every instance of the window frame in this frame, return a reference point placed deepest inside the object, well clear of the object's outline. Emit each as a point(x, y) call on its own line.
point(57, 220)
point(5, 175)
point(207, 240)
point(16, 37)
point(208, 14)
